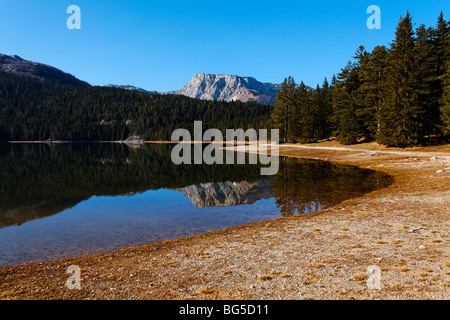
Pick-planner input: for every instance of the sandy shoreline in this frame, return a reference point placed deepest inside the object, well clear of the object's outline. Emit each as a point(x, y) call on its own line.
point(402, 229)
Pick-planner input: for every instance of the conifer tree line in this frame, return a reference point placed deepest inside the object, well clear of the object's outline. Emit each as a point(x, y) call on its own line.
point(35, 110)
point(397, 95)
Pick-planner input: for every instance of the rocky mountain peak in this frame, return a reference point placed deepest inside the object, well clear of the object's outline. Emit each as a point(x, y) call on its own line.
point(229, 88)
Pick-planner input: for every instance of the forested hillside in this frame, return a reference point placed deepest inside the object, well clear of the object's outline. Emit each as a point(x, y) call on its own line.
point(36, 110)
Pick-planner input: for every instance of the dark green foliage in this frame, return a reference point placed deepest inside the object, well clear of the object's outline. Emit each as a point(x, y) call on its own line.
point(34, 110)
point(402, 115)
point(370, 93)
point(323, 100)
point(399, 96)
point(443, 45)
point(430, 88)
point(345, 104)
point(284, 107)
point(302, 114)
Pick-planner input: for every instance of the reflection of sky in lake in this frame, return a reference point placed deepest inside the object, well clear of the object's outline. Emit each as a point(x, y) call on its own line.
point(108, 223)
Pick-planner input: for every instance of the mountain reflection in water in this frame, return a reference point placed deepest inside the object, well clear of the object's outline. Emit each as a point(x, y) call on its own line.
point(225, 194)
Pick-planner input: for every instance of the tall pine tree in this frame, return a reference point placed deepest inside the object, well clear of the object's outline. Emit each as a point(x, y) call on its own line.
point(346, 107)
point(370, 93)
point(324, 110)
point(401, 118)
point(442, 52)
point(428, 81)
point(282, 112)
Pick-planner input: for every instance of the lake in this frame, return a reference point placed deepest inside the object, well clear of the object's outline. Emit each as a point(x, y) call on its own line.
point(66, 200)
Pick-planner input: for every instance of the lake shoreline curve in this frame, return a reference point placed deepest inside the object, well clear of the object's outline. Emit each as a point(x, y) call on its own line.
point(402, 230)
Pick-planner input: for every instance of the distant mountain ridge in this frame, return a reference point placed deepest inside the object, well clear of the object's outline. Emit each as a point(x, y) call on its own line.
point(204, 86)
point(207, 86)
point(18, 66)
point(129, 87)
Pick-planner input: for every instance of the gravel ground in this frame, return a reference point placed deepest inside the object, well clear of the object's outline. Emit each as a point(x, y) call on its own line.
point(401, 232)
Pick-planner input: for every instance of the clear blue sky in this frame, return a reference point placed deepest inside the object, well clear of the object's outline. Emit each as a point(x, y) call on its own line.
point(160, 45)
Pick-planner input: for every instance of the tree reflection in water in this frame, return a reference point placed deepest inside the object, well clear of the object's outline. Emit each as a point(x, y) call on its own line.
point(42, 180)
point(303, 186)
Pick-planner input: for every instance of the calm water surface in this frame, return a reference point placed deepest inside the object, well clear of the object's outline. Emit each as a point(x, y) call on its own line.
point(66, 200)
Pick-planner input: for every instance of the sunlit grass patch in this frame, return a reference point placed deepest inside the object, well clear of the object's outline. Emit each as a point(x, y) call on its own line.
point(273, 272)
point(206, 291)
point(360, 277)
point(401, 262)
point(421, 279)
point(204, 255)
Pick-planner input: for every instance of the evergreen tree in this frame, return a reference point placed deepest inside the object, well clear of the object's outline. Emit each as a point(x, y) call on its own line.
point(445, 101)
point(324, 111)
point(428, 81)
point(333, 80)
point(311, 113)
point(282, 112)
point(333, 118)
point(442, 51)
point(401, 118)
point(301, 116)
point(346, 106)
point(370, 93)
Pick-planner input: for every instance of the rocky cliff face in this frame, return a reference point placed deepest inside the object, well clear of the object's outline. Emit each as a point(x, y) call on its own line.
point(225, 194)
point(18, 66)
point(229, 88)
